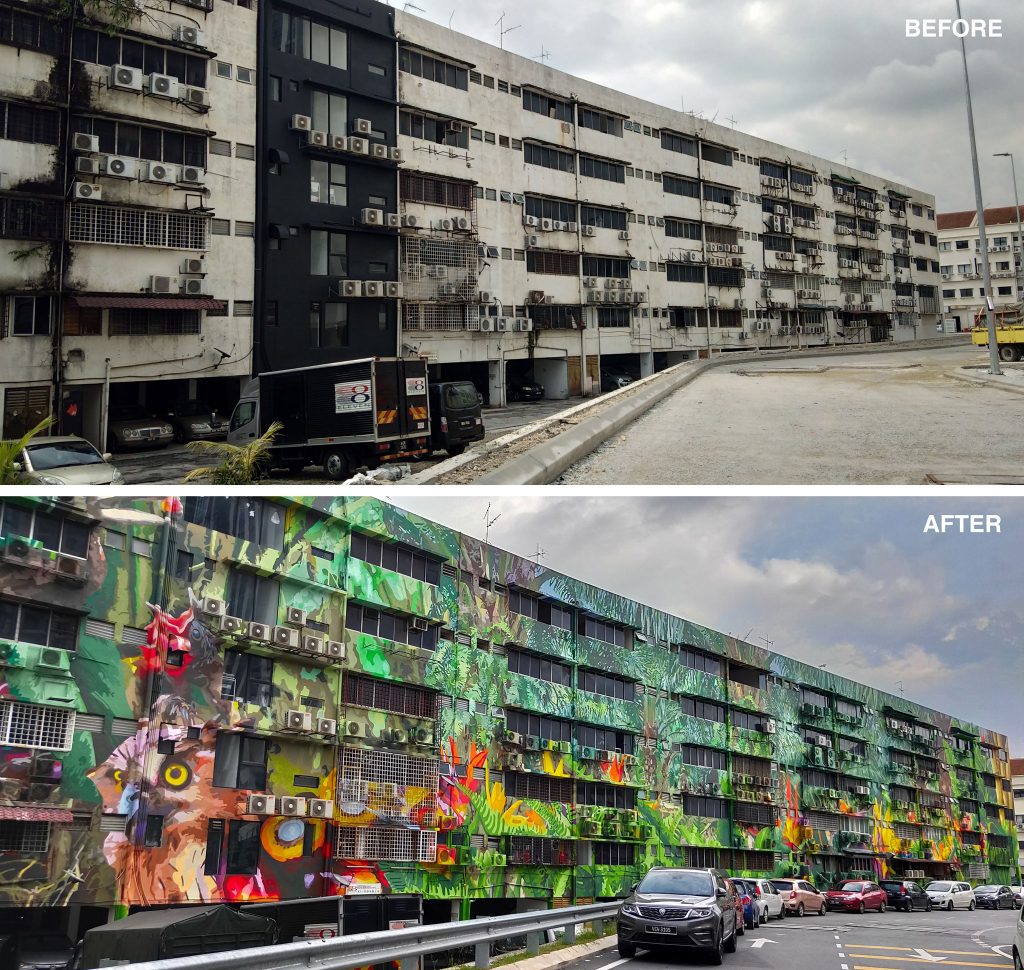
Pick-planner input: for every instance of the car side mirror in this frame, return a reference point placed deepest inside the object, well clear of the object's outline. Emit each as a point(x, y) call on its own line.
point(634, 887)
point(18, 466)
point(720, 892)
point(479, 398)
point(107, 456)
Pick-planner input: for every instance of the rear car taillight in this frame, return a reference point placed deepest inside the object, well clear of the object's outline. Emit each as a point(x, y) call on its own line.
point(792, 895)
point(757, 891)
point(903, 890)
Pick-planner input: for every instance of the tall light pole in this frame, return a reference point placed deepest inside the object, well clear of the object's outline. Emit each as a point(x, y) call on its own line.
point(1018, 267)
point(993, 349)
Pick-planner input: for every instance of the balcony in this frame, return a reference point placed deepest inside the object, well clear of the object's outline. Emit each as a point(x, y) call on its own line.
point(749, 698)
point(754, 743)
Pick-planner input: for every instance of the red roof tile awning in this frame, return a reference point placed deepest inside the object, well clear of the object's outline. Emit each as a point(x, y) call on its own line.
point(149, 302)
point(29, 813)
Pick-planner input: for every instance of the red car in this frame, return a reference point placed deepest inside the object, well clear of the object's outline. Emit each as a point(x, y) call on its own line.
point(856, 896)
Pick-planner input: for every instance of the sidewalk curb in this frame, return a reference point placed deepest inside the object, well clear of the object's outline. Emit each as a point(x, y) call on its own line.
point(991, 380)
point(560, 958)
point(543, 463)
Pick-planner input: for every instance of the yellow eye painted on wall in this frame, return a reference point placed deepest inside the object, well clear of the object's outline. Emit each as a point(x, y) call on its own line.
point(283, 837)
point(176, 774)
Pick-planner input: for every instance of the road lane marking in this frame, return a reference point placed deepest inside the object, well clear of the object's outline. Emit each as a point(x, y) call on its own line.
point(615, 963)
point(758, 943)
point(945, 962)
point(908, 949)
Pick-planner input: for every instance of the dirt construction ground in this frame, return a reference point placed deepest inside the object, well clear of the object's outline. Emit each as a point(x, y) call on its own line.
point(897, 418)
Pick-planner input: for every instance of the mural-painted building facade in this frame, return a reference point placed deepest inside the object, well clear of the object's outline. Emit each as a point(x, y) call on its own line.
point(277, 698)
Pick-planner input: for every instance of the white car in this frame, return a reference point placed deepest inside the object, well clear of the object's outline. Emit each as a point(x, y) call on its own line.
point(1018, 943)
point(946, 894)
point(768, 899)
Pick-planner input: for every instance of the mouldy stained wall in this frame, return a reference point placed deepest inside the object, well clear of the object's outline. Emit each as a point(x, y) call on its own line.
point(422, 796)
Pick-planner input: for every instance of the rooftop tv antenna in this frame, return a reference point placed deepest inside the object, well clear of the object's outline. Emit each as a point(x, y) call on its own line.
point(846, 160)
point(899, 687)
point(412, 6)
point(539, 554)
point(488, 522)
point(732, 121)
point(543, 55)
point(503, 30)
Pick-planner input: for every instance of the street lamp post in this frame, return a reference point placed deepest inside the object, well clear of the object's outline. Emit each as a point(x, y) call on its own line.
point(993, 349)
point(1018, 266)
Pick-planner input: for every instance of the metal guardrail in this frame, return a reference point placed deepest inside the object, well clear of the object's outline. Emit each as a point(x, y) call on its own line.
point(405, 946)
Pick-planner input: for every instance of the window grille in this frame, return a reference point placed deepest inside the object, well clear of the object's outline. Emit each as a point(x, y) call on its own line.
point(24, 836)
point(376, 777)
point(36, 726)
point(823, 820)
point(386, 845)
point(124, 226)
point(526, 850)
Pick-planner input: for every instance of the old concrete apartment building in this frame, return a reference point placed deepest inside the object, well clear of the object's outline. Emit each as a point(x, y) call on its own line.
point(180, 211)
point(960, 259)
point(126, 209)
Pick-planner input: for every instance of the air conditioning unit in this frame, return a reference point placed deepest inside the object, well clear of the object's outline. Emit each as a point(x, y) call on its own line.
point(355, 729)
point(393, 290)
point(297, 721)
point(712, 301)
point(379, 151)
point(589, 231)
point(162, 86)
point(285, 636)
point(410, 221)
point(523, 324)
point(500, 324)
point(547, 225)
point(119, 166)
point(291, 805)
point(194, 287)
point(159, 284)
point(462, 224)
point(193, 266)
point(624, 235)
point(513, 737)
point(212, 606)
point(358, 146)
point(259, 631)
point(124, 78)
point(231, 624)
point(261, 805)
point(300, 123)
point(445, 225)
point(82, 142)
point(335, 649)
point(187, 34)
point(326, 726)
point(422, 736)
point(315, 646)
point(197, 97)
point(320, 808)
point(190, 175)
point(371, 217)
point(88, 166)
point(373, 288)
point(392, 220)
point(560, 226)
point(362, 126)
point(531, 221)
point(158, 172)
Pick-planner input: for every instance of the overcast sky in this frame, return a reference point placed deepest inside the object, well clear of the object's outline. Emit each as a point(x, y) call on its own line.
point(819, 75)
point(852, 583)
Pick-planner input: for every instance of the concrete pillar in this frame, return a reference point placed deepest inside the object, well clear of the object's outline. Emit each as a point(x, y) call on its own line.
point(647, 363)
point(483, 956)
point(570, 933)
point(496, 383)
point(533, 943)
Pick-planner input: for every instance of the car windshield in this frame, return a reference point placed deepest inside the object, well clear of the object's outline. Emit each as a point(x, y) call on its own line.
point(939, 887)
point(129, 412)
point(987, 889)
point(678, 883)
point(62, 454)
point(890, 884)
point(190, 409)
point(852, 887)
point(782, 884)
point(460, 396)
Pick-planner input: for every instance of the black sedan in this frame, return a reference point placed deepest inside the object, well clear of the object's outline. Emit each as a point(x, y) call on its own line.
point(905, 894)
point(194, 419)
point(525, 389)
point(994, 897)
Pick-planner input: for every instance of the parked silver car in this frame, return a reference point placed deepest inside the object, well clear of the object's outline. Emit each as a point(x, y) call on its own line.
point(66, 461)
point(685, 909)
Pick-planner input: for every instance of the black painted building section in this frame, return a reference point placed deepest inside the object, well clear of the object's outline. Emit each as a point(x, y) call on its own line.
point(289, 295)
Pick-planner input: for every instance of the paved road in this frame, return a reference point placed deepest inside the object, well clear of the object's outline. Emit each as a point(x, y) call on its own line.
point(889, 418)
point(170, 465)
point(846, 941)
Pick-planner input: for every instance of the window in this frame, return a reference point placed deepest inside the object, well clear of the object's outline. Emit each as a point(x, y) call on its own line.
point(538, 726)
point(556, 317)
point(681, 186)
point(545, 157)
point(441, 131)
point(540, 667)
point(540, 787)
point(24, 837)
point(247, 152)
point(725, 277)
point(605, 739)
point(116, 225)
point(599, 121)
point(545, 105)
point(703, 757)
point(749, 721)
point(682, 229)
point(384, 695)
point(244, 74)
point(614, 854)
point(695, 707)
point(706, 807)
point(551, 262)
point(614, 316)
point(543, 610)
point(435, 191)
point(526, 850)
point(684, 273)
point(598, 629)
point(253, 597)
point(689, 317)
point(248, 677)
point(36, 726)
point(720, 194)
point(223, 69)
point(291, 33)
point(328, 253)
point(329, 112)
point(598, 683)
point(328, 324)
point(606, 796)
point(144, 142)
point(221, 227)
point(678, 143)
point(240, 761)
point(591, 215)
point(19, 28)
point(433, 69)
point(29, 219)
point(605, 266)
point(391, 626)
point(254, 519)
point(397, 557)
point(56, 532)
point(602, 168)
point(154, 831)
point(145, 322)
point(716, 154)
point(555, 209)
point(29, 123)
point(33, 623)
point(101, 47)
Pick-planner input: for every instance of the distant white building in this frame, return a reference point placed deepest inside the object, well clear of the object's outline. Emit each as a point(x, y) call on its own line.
point(1017, 779)
point(960, 259)
point(561, 226)
point(127, 210)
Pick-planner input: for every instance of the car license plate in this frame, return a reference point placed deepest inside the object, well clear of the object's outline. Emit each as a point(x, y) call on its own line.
point(661, 929)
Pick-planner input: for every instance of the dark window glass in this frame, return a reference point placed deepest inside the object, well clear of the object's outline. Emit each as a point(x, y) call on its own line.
point(243, 852)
